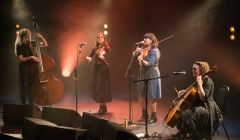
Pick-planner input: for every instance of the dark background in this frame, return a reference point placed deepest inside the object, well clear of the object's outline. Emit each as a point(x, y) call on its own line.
point(201, 29)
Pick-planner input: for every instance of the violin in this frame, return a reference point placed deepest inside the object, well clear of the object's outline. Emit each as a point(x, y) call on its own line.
point(143, 54)
point(101, 53)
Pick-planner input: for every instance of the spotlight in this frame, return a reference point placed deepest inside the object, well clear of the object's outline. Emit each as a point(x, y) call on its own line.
point(105, 32)
point(232, 29)
point(105, 26)
point(232, 37)
point(17, 26)
point(65, 73)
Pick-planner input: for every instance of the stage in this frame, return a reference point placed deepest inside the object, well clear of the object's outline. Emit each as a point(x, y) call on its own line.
point(118, 111)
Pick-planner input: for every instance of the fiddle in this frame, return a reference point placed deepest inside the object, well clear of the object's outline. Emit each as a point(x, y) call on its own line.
point(101, 54)
point(143, 53)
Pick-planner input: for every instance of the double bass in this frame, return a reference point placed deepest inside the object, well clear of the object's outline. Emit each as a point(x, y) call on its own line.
point(46, 89)
point(183, 102)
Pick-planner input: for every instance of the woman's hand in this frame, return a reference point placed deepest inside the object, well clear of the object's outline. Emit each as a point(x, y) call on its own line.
point(38, 35)
point(89, 59)
point(34, 58)
point(199, 80)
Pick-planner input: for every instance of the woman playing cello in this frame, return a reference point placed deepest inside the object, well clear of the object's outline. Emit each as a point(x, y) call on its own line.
point(203, 117)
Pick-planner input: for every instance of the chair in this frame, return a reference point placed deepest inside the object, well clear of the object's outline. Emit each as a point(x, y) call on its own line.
point(220, 97)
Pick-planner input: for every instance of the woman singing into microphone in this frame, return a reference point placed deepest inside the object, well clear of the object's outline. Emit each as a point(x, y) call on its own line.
point(148, 58)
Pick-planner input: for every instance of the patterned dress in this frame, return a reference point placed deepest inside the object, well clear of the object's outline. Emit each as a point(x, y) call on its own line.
point(204, 117)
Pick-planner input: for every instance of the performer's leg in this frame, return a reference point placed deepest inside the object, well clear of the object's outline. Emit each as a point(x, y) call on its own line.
point(153, 104)
point(143, 107)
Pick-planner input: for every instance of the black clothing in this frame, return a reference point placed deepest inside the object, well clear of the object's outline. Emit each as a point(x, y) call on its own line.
point(204, 117)
point(101, 83)
point(25, 74)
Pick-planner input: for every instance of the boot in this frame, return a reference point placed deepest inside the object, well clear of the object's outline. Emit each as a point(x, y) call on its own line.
point(102, 110)
point(144, 116)
point(153, 118)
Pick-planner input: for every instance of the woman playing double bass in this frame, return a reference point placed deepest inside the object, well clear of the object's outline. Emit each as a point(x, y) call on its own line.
point(24, 53)
point(204, 116)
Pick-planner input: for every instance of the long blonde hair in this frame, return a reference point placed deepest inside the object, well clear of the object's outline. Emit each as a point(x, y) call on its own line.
point(19, 37)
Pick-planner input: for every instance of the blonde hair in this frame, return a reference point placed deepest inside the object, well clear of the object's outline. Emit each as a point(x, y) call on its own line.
point(19, 38)
point(204, 66)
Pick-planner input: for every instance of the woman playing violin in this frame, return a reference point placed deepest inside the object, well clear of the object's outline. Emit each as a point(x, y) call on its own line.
point(148, 58)
point(204, 116)
point(24, 53)
point(102, 88)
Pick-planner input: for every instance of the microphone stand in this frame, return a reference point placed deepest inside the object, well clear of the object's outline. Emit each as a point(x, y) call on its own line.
point(75, 76)
point(130, 122)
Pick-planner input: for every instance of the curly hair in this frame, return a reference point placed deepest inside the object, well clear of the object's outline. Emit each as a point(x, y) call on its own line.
point(204, 66)
point(19, 38)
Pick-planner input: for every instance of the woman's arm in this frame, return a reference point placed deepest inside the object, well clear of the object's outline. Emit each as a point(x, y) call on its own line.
point(44, 42)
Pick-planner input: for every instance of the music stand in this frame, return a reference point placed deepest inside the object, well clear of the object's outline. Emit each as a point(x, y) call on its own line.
point(146, 99)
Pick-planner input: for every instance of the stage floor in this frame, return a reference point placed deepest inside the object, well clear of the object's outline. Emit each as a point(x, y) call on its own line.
point(118, 110)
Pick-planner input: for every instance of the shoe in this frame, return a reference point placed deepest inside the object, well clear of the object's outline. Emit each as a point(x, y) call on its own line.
point(143, 117)
point(152, 120)
point(180, 134)
point(102, 110)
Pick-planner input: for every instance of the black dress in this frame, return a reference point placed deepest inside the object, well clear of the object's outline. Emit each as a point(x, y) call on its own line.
point(25, 74)
point(101, 80)
point(204, 117)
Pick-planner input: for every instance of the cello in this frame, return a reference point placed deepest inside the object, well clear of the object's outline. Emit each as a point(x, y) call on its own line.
point(46, 89)
point(183, 102)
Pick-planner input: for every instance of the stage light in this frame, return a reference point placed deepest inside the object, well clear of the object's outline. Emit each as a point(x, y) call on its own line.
point(232, 29)
point(105, 32)
point(17, 26)
point(65, 73)
point(232, 37)
point(105, 26)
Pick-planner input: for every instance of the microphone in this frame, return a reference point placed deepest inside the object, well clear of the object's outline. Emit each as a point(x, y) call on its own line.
point(179, 72)
point(141, 42)
point(82, 44)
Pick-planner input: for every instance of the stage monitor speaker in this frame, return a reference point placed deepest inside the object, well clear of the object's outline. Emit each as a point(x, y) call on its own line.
point(62, 117)
point(103, 129)
point(114, 131)
point(8, 137)
point(14, 114)
point(94, 125)
point(39, 129)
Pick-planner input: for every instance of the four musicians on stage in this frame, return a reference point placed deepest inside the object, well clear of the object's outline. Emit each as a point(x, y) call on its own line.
point(201, 119)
